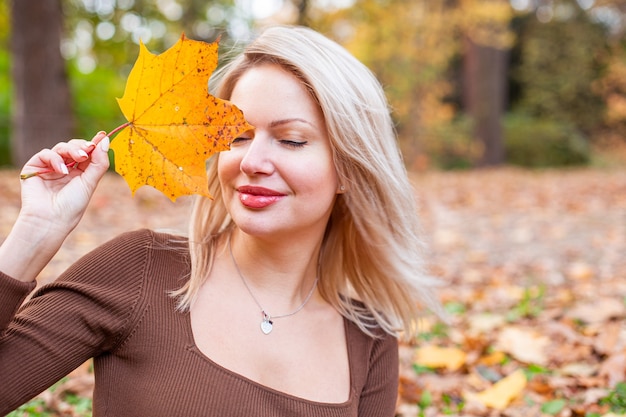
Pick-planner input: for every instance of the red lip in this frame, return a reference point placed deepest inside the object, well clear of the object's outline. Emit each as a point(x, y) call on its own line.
point(258, 197)
point(258, 191)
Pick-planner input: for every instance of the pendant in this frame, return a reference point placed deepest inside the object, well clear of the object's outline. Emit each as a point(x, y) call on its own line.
point(266, 324)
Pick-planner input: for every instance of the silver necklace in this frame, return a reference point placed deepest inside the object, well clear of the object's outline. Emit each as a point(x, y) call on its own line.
point(266, 319)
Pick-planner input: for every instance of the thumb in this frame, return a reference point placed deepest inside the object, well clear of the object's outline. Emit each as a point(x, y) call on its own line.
point(99, 159)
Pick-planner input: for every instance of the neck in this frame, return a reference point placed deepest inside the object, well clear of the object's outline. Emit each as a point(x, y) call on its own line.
point(280, 276)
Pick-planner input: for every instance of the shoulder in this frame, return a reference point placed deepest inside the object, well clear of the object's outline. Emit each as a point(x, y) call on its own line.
point(136, 245)
point(374, 361)
point(144, 240)
point(381, 343)
point(129, 257)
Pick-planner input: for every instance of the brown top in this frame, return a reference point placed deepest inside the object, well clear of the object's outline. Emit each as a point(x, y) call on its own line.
point(113, 305)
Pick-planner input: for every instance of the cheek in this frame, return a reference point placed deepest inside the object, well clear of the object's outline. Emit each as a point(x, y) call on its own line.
point(317, 178)
point(227, 167)
point(227, 170)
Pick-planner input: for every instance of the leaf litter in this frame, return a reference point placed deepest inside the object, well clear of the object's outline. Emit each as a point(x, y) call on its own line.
point(534, 271)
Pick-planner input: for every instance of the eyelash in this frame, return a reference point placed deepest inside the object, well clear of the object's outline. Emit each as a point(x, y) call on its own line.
point(236, 140)
point(288, 143)
point(293, 144)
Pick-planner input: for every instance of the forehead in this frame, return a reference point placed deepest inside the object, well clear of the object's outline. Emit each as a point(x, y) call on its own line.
point(268, 89)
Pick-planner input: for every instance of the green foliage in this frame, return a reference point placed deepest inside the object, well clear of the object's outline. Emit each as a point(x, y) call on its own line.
point(553, 407)
point(95, 85)
point(451, 405)
point(616, 399)
point(5, 86)
point(455, 307)
point(409, 45)
point(94, 98)
point(421, 369)
point(35, 407)
point(533, 369)
point(559, 61)
point(450, 146)
point(541, 142)
point(438, 330)
point(424, 402)
point(81, 406)
point(529, 306)
point(5, 109)
point(108, 33)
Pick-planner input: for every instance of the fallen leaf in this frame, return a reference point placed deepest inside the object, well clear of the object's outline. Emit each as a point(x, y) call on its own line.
point(493, 358)
point(578, 369)
point(580, 271)
point(608, 337)
point(174, 124)
point(614, 368)
point(485, 322)
point(598, 310)
point(440, 357)
point(525, 345)
point(500, 394)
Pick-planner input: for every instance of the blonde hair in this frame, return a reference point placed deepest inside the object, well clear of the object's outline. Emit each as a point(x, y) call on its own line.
point(372, 250)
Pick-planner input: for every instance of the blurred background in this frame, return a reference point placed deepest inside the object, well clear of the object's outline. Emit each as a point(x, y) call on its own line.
point(532, 259)
point(472, 83)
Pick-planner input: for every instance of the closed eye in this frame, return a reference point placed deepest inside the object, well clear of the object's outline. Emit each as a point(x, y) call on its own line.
point(293, 143)
point(239, 140)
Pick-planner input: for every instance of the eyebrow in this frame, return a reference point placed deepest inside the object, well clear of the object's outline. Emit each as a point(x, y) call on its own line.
point(287, 121)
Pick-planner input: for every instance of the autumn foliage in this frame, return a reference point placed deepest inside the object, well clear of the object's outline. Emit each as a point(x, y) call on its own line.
point(174, 124)
point(533, 268)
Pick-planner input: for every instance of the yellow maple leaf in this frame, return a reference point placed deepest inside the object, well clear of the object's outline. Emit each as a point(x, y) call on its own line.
point(440, 357)
point(174, 124)
point(500, 394)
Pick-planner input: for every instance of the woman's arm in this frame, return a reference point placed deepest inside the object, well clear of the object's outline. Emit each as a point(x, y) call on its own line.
point(380, 393)
point(52, 203)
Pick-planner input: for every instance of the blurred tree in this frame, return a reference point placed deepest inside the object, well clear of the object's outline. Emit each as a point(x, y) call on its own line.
point(562, 53)
point(6, 88)
point(612, 88)
point(107, 32)
point(487, 41)
point(409, 45)
point(98, 40)
point(41, 108)
point(412, 46)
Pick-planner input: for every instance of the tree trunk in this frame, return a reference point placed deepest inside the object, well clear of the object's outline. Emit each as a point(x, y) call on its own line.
point(41, 107)
point(303, 12)
point(485, 92)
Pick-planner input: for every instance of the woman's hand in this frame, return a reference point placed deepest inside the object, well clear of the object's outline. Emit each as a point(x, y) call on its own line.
point(58, 185)
point(67, 177)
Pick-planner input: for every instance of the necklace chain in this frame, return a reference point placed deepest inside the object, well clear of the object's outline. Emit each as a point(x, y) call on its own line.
point(266, 323)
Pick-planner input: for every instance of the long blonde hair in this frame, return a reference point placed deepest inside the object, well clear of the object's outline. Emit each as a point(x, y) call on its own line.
point(372, 251)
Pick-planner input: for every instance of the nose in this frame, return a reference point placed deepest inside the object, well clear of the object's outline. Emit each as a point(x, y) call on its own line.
point(257, 159)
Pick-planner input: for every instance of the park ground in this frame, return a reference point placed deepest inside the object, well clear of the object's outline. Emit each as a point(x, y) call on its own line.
point(532, 267)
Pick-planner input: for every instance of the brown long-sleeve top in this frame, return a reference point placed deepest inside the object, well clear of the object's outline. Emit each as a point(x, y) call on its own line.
point(114, 305)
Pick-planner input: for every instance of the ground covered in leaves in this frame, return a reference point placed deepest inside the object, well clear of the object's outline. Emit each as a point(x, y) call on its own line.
point(533, 271)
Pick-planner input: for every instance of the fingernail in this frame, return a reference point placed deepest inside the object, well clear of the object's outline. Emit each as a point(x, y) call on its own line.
point(82, 153)
point(63, 168)
point(104, 145)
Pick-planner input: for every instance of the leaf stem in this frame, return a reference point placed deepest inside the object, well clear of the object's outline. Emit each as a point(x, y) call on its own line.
point(71, 164)
point(120, 127)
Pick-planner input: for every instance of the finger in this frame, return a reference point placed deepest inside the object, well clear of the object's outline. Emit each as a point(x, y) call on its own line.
point(83, 148)
point(46, 159)
point(99, 161)
point(98, 137)
point(76, 150)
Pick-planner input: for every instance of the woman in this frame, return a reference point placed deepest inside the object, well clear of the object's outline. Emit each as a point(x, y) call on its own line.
point(292, 288)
